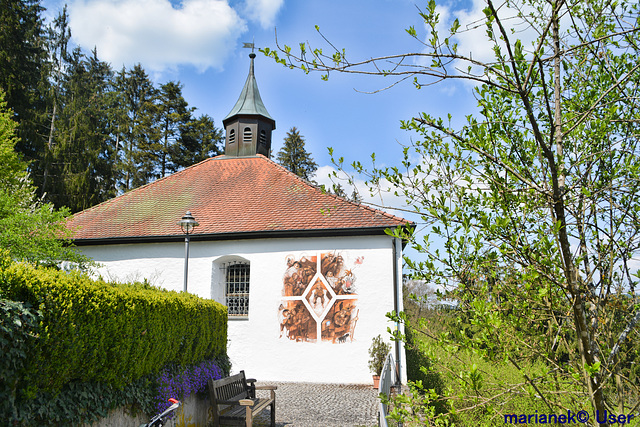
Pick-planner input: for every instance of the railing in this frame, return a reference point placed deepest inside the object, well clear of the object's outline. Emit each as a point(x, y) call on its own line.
point(388, 378)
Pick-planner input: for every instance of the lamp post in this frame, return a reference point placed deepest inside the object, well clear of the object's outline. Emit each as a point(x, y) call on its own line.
point(187, 223)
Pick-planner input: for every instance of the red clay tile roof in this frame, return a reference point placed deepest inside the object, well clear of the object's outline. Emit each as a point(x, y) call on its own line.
point(226, 195)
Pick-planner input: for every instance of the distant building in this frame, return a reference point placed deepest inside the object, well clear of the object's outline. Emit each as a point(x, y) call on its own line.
point(307, 276)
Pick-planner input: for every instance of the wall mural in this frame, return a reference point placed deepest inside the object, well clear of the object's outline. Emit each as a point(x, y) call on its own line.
point(319, 298)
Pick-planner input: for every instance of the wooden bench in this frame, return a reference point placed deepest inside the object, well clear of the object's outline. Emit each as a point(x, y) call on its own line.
point(233, 401)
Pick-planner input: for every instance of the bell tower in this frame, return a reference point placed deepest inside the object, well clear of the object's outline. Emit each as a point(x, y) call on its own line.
point(248, 126)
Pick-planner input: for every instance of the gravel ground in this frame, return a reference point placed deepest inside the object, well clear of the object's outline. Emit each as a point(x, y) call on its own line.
point(321, 405)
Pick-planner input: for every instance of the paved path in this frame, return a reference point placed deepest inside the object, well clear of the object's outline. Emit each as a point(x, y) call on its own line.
point(322, 405)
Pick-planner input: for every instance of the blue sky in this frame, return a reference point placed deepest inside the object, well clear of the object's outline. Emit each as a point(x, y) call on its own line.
point(199, 43)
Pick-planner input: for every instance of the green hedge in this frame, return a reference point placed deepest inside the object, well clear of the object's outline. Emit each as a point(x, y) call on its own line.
point(115, 334)
point(18, 323)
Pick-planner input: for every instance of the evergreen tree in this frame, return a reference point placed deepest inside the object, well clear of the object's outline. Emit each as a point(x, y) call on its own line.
point(136, 100)
point(84, 148)
point(77, 157)
point(86, 133)
point(338, 190)
point(200, 140)
point(355, 196)
point(29, 230)
point(295, 157)
point(23, 64)
point(173, 116)
point(175, 140)
point(59, 34)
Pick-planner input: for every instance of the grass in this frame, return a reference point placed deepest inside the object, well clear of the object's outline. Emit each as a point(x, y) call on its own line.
point(480, 392)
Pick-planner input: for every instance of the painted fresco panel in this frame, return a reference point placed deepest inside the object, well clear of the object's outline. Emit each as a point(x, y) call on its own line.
point(338, 326)
point(339, 273)
point(319, 298)
point(298, 274)
point(296, 322)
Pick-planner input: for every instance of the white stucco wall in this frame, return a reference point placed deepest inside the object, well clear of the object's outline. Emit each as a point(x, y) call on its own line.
point(256, 343)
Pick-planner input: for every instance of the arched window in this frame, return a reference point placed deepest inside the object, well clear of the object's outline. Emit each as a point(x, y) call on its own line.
point(237, 288)
point(232, 136)
point(263, 137)
point(230, 276)
point(246, 138)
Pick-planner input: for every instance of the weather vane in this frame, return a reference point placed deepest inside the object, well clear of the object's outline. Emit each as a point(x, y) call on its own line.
point(251, 45)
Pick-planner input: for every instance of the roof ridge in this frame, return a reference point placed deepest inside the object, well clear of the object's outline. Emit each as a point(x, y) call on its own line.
point(335, 196)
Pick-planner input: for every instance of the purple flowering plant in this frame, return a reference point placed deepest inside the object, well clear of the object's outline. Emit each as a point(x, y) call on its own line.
point(179, 382)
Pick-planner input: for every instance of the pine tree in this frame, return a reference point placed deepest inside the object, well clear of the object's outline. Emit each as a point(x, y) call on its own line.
point(23, 74)
point(29, 230)
point(136, 100)
point(173, 115)
point(295, 157)
point(200, 139)
point(83, 150)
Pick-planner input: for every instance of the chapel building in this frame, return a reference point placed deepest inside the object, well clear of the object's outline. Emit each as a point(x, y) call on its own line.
point(307, 276)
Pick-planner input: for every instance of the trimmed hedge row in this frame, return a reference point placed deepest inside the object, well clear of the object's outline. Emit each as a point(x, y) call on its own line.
point(94, 331)
point(18, 323)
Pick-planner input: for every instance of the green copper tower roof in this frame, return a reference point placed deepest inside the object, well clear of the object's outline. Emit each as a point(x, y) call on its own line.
point(249, 102)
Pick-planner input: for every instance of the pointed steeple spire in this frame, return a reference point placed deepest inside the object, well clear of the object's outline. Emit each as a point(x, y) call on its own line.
point(250, 101)
point(249, 125)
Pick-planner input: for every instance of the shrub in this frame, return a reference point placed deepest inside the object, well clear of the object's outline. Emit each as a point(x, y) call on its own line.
point(378, 354)
point(465, 382)
point(421, 371)
point(82, 402)
point(179, 382)
point(93, 335)
point(18, 322)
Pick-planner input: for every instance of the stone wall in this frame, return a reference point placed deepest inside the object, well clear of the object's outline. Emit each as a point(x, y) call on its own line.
point(193, 413)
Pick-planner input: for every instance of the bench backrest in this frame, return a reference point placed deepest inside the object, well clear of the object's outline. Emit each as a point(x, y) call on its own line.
point(227, 389)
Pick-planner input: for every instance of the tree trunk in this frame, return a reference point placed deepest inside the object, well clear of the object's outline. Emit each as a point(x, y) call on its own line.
point(49, 146)
point(570, 272)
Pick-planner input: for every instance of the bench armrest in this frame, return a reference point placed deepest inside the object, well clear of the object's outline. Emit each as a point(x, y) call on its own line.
point(228, 402)
point(266, 387)
point(246, 402)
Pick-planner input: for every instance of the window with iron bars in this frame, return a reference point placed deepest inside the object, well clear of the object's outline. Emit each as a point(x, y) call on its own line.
point(237, 288)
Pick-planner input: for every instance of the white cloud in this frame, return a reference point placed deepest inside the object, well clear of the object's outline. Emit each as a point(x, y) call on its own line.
point(263, 11)
point(201, 33)
point(472, 39)
point(384, 199)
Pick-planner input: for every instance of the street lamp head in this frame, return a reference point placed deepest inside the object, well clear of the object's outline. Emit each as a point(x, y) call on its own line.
point(188, 223)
